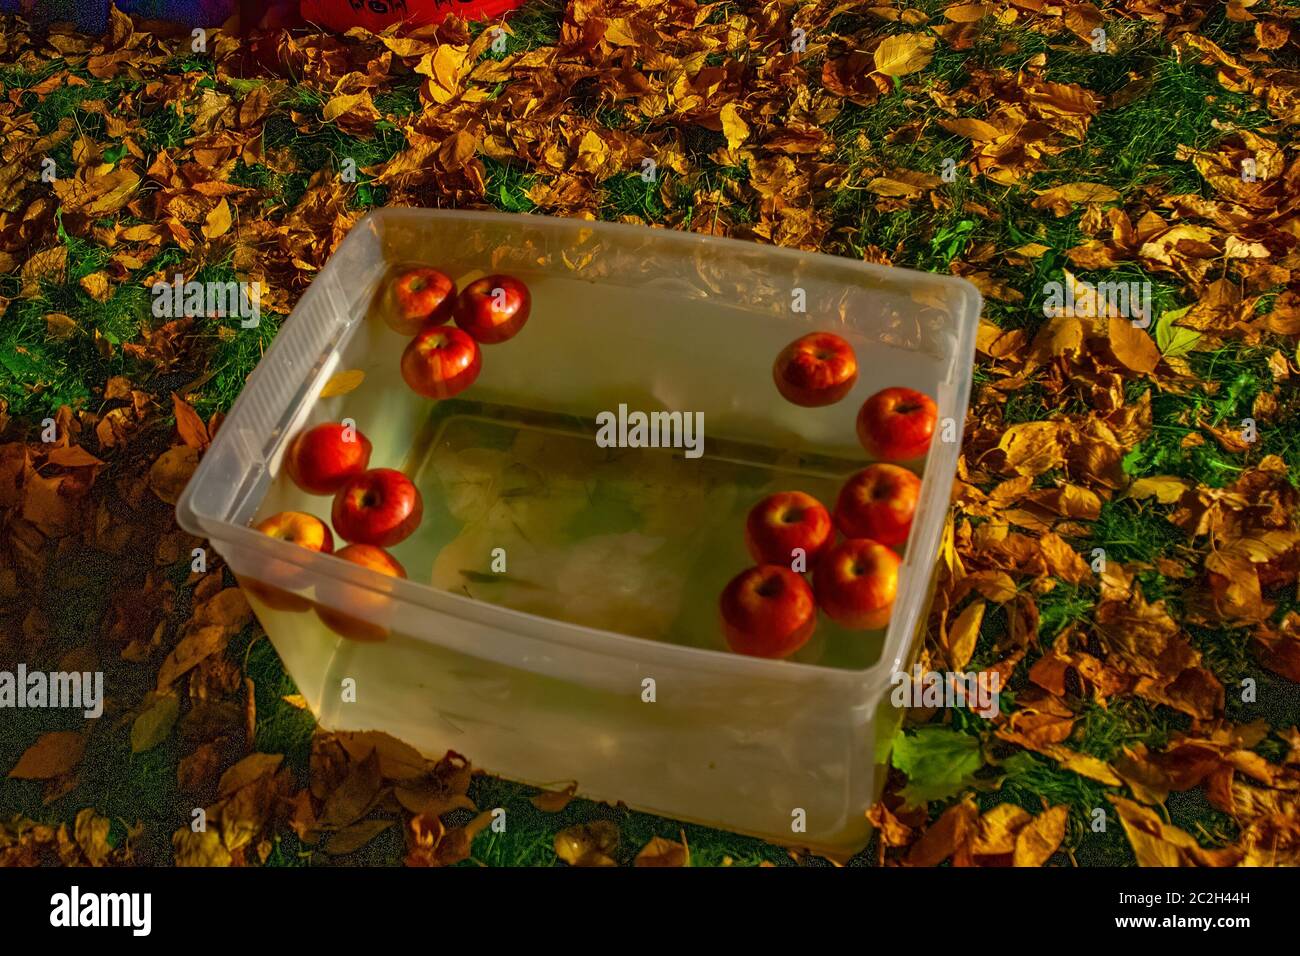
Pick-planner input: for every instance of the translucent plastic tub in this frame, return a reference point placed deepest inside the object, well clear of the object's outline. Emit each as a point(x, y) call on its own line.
point(485, 665)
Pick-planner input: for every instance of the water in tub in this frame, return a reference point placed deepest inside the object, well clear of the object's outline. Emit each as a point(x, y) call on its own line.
point(638, 541)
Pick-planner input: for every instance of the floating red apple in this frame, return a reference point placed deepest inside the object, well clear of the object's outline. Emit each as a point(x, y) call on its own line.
point(784, 521)
point(878, 502)
point(493, 309)
point(768, 611)
point(420, 297)
point(380, 507)
point(296, 527)
point(321, 459)
point(817, 369)
point(897, 424)
point(441, 362)
point(364, 602)
point(856, 582)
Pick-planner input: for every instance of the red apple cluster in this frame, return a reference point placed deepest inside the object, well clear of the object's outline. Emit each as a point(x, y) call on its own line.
point(769, 610)
point(374, 509)
point(440, 361)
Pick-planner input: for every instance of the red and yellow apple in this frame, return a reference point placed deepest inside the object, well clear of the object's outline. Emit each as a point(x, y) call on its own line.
point(817, 369)
point(896, 424)
point(493, 309)
point(321, 459)
point(767, 611)
point(441, 362)
point(784, 521)
point(856, 582)
point(419, 297)
point(296, 527)
point(380, 507)
point(364, 602)
point(878, 502)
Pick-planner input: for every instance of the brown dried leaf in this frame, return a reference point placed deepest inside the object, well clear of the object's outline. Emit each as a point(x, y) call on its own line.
point(52, 755)
point(190, 652)
point(355, 794)
point(1132, 346)
point(352, 838)
point(188, 424)
point(663, 852)
point(249, 770)
point(172, 472)
point(553, 801)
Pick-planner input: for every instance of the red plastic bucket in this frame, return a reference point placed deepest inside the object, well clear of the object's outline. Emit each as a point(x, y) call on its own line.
point(375, 15)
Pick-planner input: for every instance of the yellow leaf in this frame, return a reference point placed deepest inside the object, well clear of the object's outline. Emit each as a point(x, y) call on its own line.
point(218, 221)
point(91, 833)
point(192, 650)
point(1036, 843)
point(444, 68)
point(968, 12)
point(253, 767)
point(903, 54)
point(1133, 347)
point(1084, 765)
point(97, 286)
point(154, 725)
point(1032, 448)
point(963, 634)
point(199, 849)
point(971, 128)
point(355, 112)
point(1156, 843)
point(882, 186)
point(341, 383)
point(733, 127)
point(996, 831)
point(1075, 193)
point(1166, 488)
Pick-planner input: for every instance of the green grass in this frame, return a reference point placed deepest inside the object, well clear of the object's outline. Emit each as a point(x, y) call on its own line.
point(507, 186)
point(535, 25)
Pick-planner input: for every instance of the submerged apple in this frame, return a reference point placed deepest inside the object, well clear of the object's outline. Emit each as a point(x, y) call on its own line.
point(856, 582)
point(879, 502)
point(366, 605)
point(782, 522)
point(767, 611)
point(296, 527)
